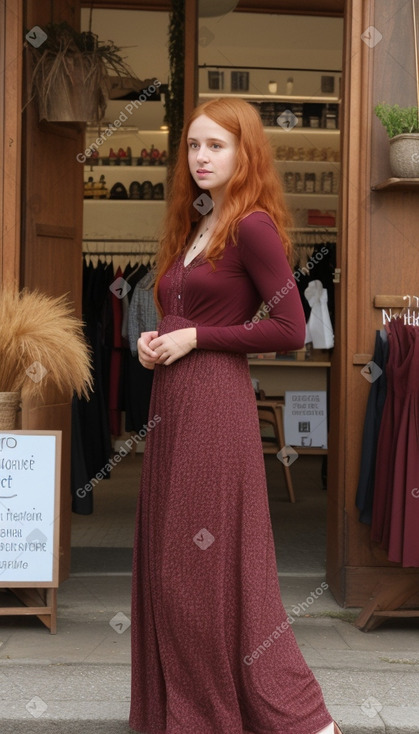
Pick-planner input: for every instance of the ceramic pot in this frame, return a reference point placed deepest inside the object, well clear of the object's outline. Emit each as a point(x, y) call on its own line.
point(404, 155)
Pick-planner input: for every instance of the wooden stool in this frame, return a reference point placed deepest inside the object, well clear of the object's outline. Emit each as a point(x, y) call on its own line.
point(271, 413)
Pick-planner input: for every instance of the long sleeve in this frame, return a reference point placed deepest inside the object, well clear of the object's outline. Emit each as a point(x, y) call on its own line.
point(266, 266)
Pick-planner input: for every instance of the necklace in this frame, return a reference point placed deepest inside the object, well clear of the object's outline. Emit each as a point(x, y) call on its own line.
point(199, 238)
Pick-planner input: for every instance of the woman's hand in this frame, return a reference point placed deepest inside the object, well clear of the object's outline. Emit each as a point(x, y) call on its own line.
point(170, 347)
point(147, 356)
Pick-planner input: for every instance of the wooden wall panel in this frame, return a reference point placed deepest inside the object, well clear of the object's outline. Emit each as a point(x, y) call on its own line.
point(52, 212)
point(379, 254)
point(10, 139)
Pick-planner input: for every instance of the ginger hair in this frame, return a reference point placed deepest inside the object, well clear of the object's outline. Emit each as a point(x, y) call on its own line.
point(254, 186)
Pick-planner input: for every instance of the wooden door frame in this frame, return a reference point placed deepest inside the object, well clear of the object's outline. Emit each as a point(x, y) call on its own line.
point(350, 336)
point(349, 297)
point(11, 48)
point(334, 8)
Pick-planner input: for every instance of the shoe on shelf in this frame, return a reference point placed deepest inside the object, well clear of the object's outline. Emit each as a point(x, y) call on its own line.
point(154, 156)
point(113, 158)
point(163, 158)
point(135, 190)
point(147, 190)
point(145, 157)
point(118, 191)
point(158, 191)
point(123, 158)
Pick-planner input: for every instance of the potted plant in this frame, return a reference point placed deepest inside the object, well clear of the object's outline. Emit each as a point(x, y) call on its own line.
point(71, 73)
point(402, 126)
point(41, 342)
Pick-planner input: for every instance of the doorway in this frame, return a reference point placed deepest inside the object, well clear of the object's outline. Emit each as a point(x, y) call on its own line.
point(308, 49)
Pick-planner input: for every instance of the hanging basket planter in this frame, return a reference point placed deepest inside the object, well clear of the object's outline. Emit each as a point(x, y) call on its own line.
point(70, 74)
point(70, 90)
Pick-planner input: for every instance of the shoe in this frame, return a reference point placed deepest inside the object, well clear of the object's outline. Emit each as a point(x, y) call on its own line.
point(158, 191)
point(123, 158)
point(154, 156)
point(147, 190)
point(113, 158)
point(118, 191)
point(135, 190)
point(163, 158)
point(145, 156)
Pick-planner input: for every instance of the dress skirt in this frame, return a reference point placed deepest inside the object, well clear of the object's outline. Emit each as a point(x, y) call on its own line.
point(212, 651)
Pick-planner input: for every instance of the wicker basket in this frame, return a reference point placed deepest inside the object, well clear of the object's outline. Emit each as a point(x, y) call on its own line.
point(9, 405)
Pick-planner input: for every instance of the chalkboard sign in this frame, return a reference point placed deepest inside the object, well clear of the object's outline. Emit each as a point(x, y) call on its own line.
point(29, 508)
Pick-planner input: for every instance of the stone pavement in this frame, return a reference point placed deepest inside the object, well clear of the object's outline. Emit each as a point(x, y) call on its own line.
point(78, 681)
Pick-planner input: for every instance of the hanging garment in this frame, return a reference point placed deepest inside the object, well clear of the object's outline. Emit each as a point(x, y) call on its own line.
point(395, 519)
point(205, 583)
point(115, 297)
point(138, 381)
point(91, 419)
point(129, 274)
point(142, 313)
point(317, 263)
point(319, 329)
point(373, 415)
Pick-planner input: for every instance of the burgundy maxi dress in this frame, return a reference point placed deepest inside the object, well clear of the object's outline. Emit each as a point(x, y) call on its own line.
point(212, 651)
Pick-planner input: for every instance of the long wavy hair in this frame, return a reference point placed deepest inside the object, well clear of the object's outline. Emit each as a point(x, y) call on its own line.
point(254, 186)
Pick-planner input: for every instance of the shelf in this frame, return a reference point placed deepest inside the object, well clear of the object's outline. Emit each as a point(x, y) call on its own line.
point(125, 202)
point(403, 184)
point(300, 99)
point(316, 131)
point(306, 165)
point(100, 169)
point(94, 131)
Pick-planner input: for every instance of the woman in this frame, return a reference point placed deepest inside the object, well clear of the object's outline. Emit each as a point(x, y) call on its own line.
point(211, 647)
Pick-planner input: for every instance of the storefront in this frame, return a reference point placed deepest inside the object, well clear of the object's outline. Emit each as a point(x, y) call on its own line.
point(370, 234)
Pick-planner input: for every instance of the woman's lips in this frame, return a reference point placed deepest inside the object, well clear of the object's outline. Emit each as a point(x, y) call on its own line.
point(202, 172)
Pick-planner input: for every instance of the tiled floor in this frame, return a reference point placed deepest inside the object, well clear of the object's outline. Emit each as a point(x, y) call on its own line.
point(299, 529)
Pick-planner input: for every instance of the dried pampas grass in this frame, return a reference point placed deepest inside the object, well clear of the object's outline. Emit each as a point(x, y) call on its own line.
point(41, 341)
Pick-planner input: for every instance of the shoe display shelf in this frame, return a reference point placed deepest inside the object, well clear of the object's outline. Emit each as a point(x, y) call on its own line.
point(138, 216)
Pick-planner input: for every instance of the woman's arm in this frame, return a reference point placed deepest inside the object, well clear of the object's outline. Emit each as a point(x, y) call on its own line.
point(264, 259)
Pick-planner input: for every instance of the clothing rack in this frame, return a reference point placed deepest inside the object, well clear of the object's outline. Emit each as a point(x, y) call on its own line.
point(97, 247)
point(310, 236)
point(391, 597)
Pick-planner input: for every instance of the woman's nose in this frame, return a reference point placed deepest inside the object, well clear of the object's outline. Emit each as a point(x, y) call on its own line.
point(202, 154)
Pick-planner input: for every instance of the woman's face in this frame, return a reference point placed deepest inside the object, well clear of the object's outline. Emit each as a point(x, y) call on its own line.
point(212, 154)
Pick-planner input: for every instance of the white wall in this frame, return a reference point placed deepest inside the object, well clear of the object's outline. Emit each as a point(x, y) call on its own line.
point(288, 41)
point(238, 39)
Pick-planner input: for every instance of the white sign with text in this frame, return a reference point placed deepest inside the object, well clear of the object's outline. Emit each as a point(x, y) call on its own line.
point(29, 507)
point(305, 418)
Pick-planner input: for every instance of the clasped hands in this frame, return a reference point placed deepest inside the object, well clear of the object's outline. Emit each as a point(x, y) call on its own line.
point(165, 349)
